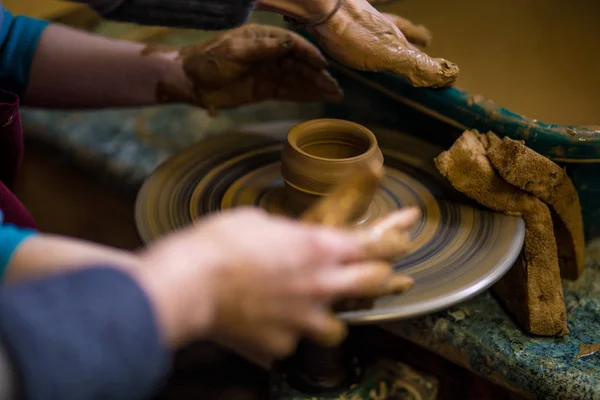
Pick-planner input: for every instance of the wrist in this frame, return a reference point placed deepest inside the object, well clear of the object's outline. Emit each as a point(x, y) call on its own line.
point(180, 292)
point(173, 85)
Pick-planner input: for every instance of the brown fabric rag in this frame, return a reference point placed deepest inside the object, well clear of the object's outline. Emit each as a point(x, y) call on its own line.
point(532, 289)
point(524, 168)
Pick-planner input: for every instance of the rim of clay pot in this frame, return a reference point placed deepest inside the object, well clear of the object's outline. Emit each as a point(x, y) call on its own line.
point(347, 127)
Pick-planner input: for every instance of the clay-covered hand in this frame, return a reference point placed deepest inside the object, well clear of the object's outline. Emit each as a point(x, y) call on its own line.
point(260, 281)
point(360, 37)
point(252, 64)
point(388, 236)
point(416, 34)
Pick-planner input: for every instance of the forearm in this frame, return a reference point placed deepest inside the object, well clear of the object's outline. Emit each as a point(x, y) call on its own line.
point(41, 255)
point(87, 334)
point(26, 256)
point(75, 69)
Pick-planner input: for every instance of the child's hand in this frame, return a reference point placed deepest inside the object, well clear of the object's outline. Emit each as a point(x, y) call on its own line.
point(251, 64)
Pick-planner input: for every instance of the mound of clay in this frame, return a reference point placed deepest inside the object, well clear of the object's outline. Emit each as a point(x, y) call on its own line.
point(524, 168)
point(532, 289)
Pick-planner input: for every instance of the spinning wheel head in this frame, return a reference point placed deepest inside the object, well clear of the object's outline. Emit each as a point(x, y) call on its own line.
point(457, 250)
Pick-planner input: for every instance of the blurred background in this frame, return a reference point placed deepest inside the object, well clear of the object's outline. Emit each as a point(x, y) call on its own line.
point(536, 57)
point(39, 8)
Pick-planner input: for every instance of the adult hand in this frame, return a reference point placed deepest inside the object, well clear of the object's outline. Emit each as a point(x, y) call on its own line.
point(358, 36)
point(251, 64)
point(417, 35)
point(262, 281)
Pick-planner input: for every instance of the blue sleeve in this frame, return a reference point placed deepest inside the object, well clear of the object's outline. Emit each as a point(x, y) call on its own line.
point(88, 334)
point(19, 37)
point(11, 237)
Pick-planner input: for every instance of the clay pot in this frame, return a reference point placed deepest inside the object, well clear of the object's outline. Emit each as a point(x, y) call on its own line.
point(321, 152)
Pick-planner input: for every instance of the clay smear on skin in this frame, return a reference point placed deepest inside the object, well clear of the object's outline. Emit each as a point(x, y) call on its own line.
point(249, 64)
point(388, 50)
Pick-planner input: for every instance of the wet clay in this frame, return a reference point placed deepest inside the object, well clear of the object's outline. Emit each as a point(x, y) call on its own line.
point(339, 207)
point(250, 64)
point(524, 168)
point(337, 210)
point(418, 35)
point(586, 350)
point(360, 37)
point(532, 289)
point(319, 154)
point(344, 201)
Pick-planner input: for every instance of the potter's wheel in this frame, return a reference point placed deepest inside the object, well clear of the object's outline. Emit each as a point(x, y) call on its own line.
point(461, 250)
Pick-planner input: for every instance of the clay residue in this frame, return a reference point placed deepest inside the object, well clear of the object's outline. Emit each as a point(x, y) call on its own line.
point(558, 151)
point(524, 168)
point(586, 350)
point(359, 37)
point(380, 242)
point(340, 206)
point(343, 201)
point(532, 289)
point(250, 64)
point(479, 99)
point(418, 35)
point(526, 126)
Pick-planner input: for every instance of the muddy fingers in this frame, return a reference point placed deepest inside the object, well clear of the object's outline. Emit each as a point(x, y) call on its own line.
point(360, 37)
point(422, 70)
point(418, 35)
